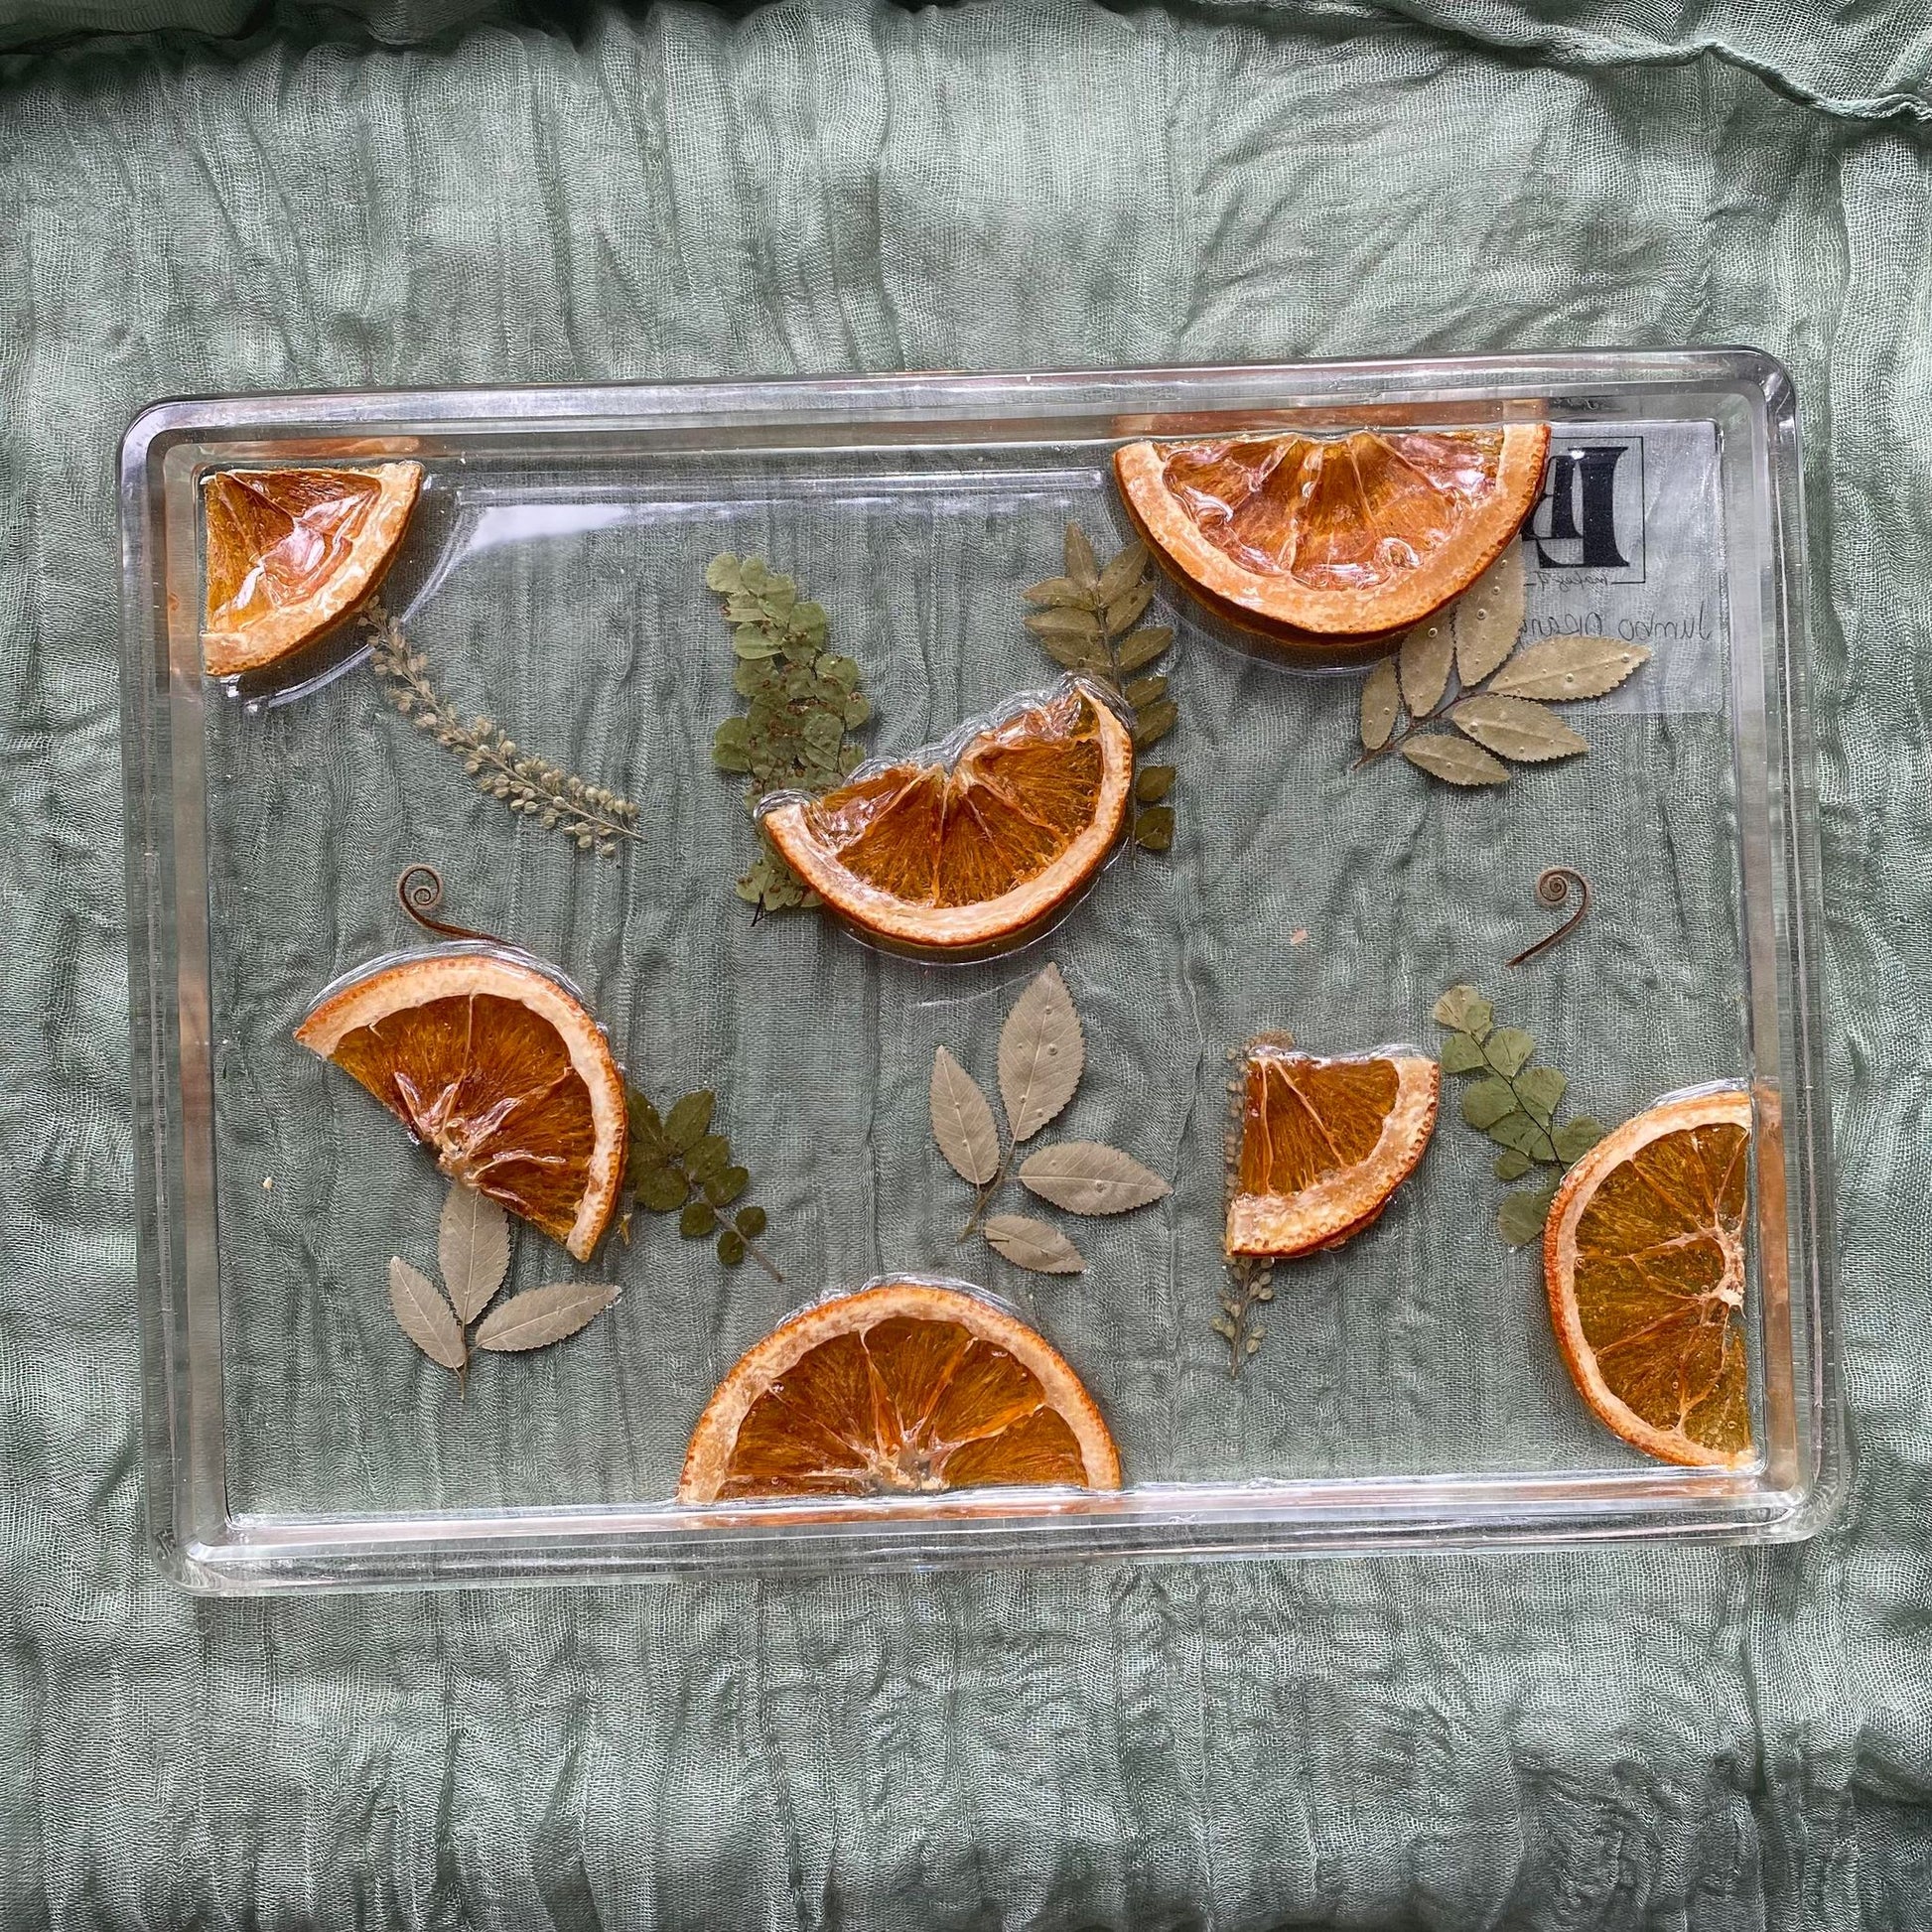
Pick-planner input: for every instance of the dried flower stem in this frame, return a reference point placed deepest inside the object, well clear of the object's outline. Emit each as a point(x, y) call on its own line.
point(591, 816)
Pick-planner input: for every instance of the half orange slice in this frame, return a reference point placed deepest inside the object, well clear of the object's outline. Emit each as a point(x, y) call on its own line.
point(1340, 539)
point(975, 855)
point(500, 1072)
point(904, 1389)
point(290, 553)
point(1643, 1254)
point(1325, 1144)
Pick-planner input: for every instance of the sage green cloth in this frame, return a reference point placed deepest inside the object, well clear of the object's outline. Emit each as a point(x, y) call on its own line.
point(1645, 1737)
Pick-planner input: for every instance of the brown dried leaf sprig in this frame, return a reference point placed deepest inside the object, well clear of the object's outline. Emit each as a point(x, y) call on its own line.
point(1090, 622)
point(1250, 1278)
point(1043, 1055)
point(1462, 668)
point(592, 817)
point(472, 1254)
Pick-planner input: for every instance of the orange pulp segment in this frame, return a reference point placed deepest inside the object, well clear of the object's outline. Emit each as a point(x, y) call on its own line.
point(904, 1389)
point(500, 1072)
point(1325, 1144)
point(1643, 1255)
point(969, 856)
point(1343, 538)
point(292, 552)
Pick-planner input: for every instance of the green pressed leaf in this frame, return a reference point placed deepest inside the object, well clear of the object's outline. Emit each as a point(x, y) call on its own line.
point(1082, 564)
point(1541, 1091)
point(1143, 691)
point(1061, 622)
point(661, 1189)
point(711, 1156)
point(726, 1185)
point(1509, 1049)
point(1518, 1131)
point(856, 711)
point(1154, 828)
point(686, 1123)
point(1153, 782)
point(1071, 654)
point(744, 609)
point(699, 1217)
point(1516, 728)
point(1561, 669)
point(1487, 1102)
point(1467, 1011)
point(1124, 611)
point(842, 671)
point(750, 676)
point(721, 573)
point(1139, 648)
point(731, 745)
point(1462, 1054)
point(809, 620)
point(1519, 1221)
point(750, 1222)
point(731, 1249)
point(1512, 1165)
point(647, 1129)
point(1123, 571)
point(753, 575)
point(1455, 761)
point(1381, 705)
point(1155, 723)
point(757, 640)
point(780, 594)
point(1575, 1137)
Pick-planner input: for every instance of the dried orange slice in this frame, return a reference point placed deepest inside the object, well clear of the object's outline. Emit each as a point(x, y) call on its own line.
point(292, 552)
point(1343, 538)
point(1325, 1142)
point(500, 1071)
point(904, 1389)
point(974, 856)
point(1643, 1254)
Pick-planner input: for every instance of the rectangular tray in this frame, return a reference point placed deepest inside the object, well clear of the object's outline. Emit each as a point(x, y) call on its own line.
point(1410, 1394)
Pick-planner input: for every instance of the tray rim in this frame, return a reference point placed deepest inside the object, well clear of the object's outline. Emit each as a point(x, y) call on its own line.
point(1258, 1520)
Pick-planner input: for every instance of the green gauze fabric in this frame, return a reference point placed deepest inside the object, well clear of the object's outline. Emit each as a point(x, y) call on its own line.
point(1646, 1738)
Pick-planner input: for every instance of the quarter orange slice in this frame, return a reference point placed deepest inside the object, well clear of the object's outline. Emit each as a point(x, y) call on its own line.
point(1643, 1255)
point(1339, 539)
point(500, 1072)
point(292, 552)
point(971, 857)
point(904, 1389)
point(1325, 1144)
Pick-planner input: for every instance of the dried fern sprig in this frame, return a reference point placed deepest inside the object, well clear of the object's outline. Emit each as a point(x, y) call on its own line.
point(591, 816)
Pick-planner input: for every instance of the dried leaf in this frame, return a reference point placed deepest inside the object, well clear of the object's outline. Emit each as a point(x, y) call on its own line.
point(1123, 571)
point(1455, 761)
point(1575, 1137)
point(962, 1121)
point(1508, 1050)
point(1517, 1130)
point(1462, 1054)
point(709, 1158)
point(1088, 1178)
point(1424, 662)
point(1465, 1010)
point(1034, 1245)
point(725, 1188)
point(1381, 705)
point(1042, 1054)
point(472, 1249)
point(661, 1189)
point(1139, 648)
point(699, 1217)
point(1541, 1091)
point(544, 1315)
point(1490, 617)
point(1153, 782)
point(1142, 691)
point(721, 573)
point(1487, 1102)
point(423, 1314)
point(1058, 589)
point(1082, 564)
point(1512, 1165)
point(1154, 829)
point(685, 1125)
point(750, 1222)
point(1125, 612)
point(1081, 625)
point(1519, 1221)
point(1155, 723)
point(733, 1248)
point(1071, 654)
point(1562, 668)
point(1516, 728)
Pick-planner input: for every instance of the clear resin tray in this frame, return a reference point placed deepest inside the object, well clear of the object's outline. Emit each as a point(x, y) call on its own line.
point(1408, 1392)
